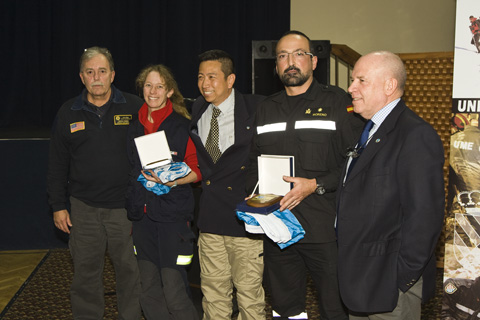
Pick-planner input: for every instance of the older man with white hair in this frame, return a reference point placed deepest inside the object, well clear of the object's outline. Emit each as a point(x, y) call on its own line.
point(390, 202)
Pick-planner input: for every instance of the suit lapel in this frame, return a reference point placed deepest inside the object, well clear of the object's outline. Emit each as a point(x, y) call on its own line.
point(201, 105)
point(377, 141)
point(198, 109)
point(241, 119)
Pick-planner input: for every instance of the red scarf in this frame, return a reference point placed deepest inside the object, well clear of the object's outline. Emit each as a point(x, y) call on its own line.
point(158, 116)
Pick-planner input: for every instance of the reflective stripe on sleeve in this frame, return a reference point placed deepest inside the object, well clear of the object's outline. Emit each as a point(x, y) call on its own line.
point(466, 309)
point(315, 124)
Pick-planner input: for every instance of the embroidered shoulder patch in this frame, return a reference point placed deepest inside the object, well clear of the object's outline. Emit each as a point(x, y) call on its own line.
point(77, 126)
point(450, 288)
point(122, 119)
point(350, 109)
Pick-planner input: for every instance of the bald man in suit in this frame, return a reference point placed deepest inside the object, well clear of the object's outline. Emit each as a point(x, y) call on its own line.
point(390, 202)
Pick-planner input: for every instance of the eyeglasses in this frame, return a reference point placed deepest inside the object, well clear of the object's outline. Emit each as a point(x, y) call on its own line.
point(297, 55)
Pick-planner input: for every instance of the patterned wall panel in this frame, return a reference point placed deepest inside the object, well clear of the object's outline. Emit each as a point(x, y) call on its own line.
point(428, 92)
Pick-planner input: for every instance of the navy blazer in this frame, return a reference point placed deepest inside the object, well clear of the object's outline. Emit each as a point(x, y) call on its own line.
point(390, 214)
point(223, 183)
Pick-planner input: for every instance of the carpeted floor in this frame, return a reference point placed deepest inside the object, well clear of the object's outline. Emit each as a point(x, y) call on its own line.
point(45, 295)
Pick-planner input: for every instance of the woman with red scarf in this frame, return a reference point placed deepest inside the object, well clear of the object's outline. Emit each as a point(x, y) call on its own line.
point(162, 236)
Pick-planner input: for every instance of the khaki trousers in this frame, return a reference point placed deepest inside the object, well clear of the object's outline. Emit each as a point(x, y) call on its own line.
point(227, 262)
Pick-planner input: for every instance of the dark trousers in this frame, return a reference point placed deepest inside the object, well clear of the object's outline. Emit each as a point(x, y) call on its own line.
point(286, 278)
point(94, 231)
point(165, 288)
point(164, 293)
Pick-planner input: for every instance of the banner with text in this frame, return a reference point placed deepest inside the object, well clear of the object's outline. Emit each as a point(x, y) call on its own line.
point(461, 285)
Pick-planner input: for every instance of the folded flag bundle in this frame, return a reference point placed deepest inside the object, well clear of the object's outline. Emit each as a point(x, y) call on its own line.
point(166, 173)
point(280, 226)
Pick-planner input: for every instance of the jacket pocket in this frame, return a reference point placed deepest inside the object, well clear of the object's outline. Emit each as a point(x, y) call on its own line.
point(268, 143)
point(380, 248)
point(314, 146)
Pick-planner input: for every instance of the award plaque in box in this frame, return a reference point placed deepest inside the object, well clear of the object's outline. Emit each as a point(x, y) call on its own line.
point(263, 200)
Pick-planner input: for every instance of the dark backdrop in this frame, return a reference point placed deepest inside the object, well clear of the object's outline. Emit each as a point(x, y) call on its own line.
point(25, 218)
point(40, 45)
point(42, 40)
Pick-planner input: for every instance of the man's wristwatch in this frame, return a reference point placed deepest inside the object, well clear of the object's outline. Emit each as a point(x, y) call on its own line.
point(320, 189)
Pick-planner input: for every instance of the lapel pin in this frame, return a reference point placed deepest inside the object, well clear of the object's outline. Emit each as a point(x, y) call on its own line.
point(377, 141)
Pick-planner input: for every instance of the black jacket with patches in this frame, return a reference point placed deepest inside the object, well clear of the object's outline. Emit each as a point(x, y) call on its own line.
point(318, 132)
point(88, 157)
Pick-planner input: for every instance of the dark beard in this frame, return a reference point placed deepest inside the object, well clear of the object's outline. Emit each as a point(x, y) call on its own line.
point(294, 80)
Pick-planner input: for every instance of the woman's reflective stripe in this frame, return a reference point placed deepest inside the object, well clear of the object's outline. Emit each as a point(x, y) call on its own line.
point(272, 127)
point(315, 124)
point(184, 260)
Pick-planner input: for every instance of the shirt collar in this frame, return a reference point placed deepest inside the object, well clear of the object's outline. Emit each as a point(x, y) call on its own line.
point(382, 114)
point(81, 102)
point(227, 105)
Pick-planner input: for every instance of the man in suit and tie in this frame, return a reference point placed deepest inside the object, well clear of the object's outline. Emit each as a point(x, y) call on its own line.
point(222, 129)
point(390, 203)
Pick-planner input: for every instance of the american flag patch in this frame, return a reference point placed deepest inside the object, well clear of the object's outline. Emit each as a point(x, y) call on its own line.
point(76, 126)
point(350, 109)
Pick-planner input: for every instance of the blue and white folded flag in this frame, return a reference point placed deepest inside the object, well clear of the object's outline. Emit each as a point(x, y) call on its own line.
point(166, 173)
point(280, 226)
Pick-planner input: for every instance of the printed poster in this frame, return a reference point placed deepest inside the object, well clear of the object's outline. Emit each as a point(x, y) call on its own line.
point(461, 282)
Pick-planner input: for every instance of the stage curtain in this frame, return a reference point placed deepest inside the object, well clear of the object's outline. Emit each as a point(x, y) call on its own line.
point(41, 42)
